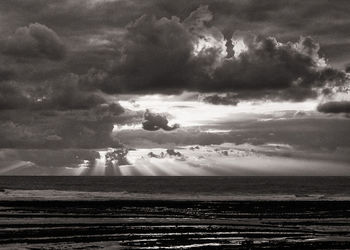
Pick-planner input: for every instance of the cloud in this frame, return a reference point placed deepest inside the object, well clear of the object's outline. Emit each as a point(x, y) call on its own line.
point(35, 41)
point(167, 153)
point(79, 22)
point(334, 107)
point(172, 152)
point(155, 54)
point(169, 56)
point(51, 85)
point(54, 138)
point(5, 74)
point(153, 122)
point(57, 114)
point(56, 117)
point(221, 100)
point(12, 96)
point(231, 159)
point(57, 130)
point(57, 158)
point(62, 94)
point(307, 132)
point(166, 50)
point(109, 112)
point(347, 69)
point(117, 157)
point(65, 94)
point(275, 70)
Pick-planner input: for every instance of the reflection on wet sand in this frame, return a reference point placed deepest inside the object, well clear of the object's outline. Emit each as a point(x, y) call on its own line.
point(156, 224)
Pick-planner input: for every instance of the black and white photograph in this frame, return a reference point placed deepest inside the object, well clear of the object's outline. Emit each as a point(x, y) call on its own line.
point(174, 124)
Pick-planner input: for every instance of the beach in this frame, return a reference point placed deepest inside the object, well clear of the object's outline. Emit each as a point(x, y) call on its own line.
point(60, 217)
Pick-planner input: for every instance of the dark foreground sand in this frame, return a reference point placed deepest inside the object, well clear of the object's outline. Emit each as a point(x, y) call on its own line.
point(162, 224)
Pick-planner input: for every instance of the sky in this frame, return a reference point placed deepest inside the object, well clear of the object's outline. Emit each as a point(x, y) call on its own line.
point(116, 87)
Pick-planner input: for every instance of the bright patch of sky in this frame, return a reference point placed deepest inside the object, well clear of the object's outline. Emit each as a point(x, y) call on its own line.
point(239, 47)
point(196, 113)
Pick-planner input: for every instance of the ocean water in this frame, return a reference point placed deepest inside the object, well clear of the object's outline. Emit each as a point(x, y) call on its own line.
point(229, 188)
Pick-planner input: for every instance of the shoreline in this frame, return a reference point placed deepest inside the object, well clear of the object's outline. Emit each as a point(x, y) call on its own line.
point(59, 195)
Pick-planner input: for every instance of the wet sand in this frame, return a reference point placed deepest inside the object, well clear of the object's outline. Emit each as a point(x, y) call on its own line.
point(174, 224)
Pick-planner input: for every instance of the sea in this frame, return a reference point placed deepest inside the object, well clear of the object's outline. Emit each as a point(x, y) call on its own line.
point(200, 188)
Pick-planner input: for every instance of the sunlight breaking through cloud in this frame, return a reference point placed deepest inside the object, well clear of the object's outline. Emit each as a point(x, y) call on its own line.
point(239, 47)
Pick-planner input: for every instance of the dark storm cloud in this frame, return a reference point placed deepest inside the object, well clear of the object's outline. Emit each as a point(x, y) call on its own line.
point(5, 74)
point(347, 69)
point(221, 100)
point(60, 129)
point(57, 56)
point(56, 115)
point(270, 69)
point(109, 112)
point(326, 20)
point(153, 122)
point(11, 96)
point(334, 107)
point(154, 54)
point(157, 55)
point(63, 94)
point(170, 56)
point(35, 40)
point(291, 14)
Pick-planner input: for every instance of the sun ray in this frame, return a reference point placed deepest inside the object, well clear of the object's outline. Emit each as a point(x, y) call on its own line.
point(14, 166)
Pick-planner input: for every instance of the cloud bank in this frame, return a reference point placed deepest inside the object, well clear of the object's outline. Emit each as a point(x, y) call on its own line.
point(34, 41)
point(335, 107)
point(62, 64)
point(170, 55)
